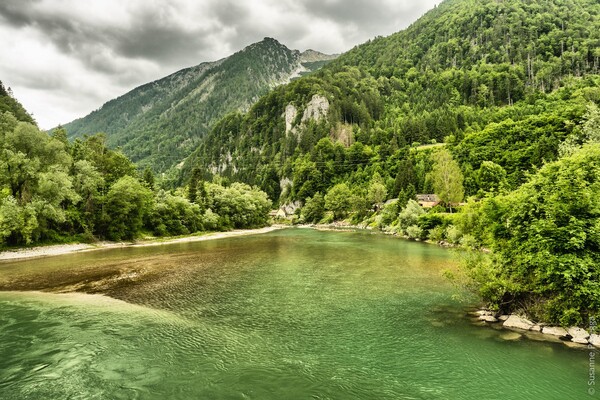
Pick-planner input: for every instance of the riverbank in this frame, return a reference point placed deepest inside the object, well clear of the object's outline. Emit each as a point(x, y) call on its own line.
point(573, 336)
point(62, 249)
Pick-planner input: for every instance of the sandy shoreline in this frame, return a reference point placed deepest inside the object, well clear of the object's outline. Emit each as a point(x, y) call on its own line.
point(61, 249)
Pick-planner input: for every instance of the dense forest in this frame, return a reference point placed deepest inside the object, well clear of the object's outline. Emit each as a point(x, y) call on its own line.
point(484, 101)
point(53, 190)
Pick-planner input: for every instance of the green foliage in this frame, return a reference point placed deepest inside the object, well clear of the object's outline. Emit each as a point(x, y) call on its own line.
point(54, 191)
point(238, 206)
point(447, 178)
point(546, 241)
point(377, 192)
point(409, 216)
point(8, 104)
point(414, 232)
point(127, 203)
point(588, 134)
point(314, 209)
point(337, 200)
point(173, 215)
point(491, 177)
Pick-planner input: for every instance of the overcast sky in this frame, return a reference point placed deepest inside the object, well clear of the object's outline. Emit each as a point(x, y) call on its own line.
point(65, 58)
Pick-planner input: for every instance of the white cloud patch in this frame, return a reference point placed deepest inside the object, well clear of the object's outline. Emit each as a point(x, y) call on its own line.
point(65, 58)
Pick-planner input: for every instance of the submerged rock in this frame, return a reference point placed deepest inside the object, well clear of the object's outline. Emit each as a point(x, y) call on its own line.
point(517, 322)
point(574, 345)
point(488, 318)
point(510, 336)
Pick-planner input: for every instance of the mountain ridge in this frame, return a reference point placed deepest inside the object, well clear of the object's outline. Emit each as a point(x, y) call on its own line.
point(158, 124)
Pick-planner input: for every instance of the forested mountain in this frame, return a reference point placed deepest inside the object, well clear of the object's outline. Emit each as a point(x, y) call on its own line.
point(160, 123)
point(464, 65)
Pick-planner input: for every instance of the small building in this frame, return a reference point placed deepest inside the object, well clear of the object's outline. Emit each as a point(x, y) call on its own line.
point(428, 200)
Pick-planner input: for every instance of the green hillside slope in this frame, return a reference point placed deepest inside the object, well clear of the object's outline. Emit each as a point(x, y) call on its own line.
point(9, 104)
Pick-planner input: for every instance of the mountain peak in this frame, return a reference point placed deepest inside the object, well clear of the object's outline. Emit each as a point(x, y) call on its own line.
point(268, 39)
point(187, 103)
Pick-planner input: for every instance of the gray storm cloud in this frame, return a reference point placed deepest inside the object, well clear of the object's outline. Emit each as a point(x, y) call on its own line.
point(64, 58)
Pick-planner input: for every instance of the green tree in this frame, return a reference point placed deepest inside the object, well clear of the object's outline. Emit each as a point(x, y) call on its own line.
point(377, 192)
point(491, 177)
point(314, 209)
point(173, 215)
point(192, 187)
point(337, 200)
point(239, 205)
point(148, 178)
point(410, 214)
point(127, 202)
point(447, 178)
point(306, 178)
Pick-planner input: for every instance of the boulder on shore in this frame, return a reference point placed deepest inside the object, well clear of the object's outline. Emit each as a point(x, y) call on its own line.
point(517, 322)
point(578, 335)
point(488, 318)
point(594, 340)
point(536, 328)
point(555, 331)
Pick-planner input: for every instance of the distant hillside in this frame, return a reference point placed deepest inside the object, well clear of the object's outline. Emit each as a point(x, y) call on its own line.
point(464, 65)
point(160, 123)
point(12, 105)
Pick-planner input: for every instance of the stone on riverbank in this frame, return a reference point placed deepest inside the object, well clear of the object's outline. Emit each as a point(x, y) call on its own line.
point(555, 331)
point(578, 335)
point(517, 322)
point(488, 318)
point(536, 328)
point(594, 340)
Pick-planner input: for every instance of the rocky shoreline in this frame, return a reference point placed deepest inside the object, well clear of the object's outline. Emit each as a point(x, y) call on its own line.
point(573, 336)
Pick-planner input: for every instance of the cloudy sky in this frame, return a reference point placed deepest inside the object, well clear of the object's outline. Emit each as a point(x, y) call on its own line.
point(65, 58)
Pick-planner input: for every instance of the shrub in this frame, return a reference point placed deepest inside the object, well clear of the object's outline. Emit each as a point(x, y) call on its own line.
point(414, 232)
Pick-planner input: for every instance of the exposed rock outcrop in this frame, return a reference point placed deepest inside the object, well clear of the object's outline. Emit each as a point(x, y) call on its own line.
point(317, 108)
point(290, 116)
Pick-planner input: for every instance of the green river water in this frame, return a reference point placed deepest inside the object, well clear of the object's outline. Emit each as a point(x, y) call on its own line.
point(293, 314)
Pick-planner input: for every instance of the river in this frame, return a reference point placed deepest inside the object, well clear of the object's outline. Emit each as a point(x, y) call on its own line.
point(292, 314)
